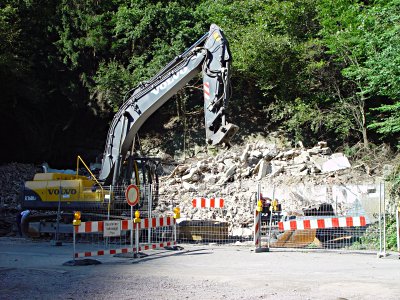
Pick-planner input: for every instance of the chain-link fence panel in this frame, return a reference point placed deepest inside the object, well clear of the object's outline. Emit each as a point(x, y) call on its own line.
point(329, 217)
point(210, 214)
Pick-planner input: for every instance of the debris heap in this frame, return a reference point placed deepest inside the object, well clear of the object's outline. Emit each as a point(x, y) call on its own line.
point(12, 178)
point(234, 174)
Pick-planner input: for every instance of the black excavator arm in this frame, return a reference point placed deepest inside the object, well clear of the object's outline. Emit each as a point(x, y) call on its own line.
point(209, 55)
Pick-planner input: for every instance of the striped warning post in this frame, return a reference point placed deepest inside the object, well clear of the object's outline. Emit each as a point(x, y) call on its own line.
point(123, 250)
point(257, 229)
point(208, 202)
point(322, 223)
point(98, 226)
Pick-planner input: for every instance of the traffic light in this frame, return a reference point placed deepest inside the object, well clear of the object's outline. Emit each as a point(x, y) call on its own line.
point(77, 218)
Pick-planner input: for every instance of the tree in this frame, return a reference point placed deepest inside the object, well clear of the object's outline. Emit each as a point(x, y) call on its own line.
point(344, 36)
point(364, 36)
point(382, 35)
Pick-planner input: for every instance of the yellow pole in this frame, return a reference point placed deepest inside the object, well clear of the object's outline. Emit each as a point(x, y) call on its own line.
point(90, 172)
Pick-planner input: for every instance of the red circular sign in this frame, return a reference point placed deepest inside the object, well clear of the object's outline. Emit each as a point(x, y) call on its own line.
point(132, 195)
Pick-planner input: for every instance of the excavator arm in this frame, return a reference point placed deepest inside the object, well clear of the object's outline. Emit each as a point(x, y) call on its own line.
point(209, 55)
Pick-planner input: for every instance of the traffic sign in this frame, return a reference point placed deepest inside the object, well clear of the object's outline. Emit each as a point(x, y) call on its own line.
point(132, 195)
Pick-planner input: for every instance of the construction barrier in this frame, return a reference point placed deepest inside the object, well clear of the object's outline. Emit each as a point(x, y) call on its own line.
point(208, 203)
point(327, 216)
point(120, 232)
point(322, 223)
point(317, 232)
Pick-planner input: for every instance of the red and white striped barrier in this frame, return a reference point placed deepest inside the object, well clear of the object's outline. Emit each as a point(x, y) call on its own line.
point(98, 226)
point(123, 250)
point(208, 203)
point(322, 223)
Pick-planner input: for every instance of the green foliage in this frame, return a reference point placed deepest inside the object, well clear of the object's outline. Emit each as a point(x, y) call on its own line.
point(365, 37)
point(319, 121)
point(383, 50)
point(111, 83)
point(371, 237)
point(316, 69)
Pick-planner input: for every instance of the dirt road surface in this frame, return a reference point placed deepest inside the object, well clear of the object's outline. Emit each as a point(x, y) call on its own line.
point(34, 270)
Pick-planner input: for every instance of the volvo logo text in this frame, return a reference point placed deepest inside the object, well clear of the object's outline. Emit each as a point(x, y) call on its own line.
point(169, 81)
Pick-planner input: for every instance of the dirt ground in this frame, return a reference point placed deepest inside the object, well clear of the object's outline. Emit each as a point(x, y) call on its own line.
point(35, 270)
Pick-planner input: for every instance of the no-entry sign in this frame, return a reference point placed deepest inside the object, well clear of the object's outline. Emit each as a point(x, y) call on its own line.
point(132, 195)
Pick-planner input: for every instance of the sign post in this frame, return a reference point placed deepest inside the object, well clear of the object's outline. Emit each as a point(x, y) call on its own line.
point(132, 197)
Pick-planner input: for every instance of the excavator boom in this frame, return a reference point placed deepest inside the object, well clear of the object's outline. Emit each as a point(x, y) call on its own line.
point(209, 55)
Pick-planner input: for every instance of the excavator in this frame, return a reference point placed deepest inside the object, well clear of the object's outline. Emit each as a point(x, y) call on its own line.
point(121, 165)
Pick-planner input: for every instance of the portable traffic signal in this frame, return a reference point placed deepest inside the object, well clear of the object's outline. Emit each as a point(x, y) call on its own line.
point(77, 218)
point(177, 212)
point(274, 205)
point(259, 206)
point(137, 217)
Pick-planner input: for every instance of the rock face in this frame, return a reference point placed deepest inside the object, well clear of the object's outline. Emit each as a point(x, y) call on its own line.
point(235, 173)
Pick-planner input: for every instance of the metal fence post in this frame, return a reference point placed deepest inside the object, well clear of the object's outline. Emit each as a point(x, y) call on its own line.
point(132, 226)
point(384, 219)
point(175, 239)
point(137, 239)
point(380, 219)
point(149, 207)
point(74, 241)
point(270, 219)
point(382, 231)
point(398, 228)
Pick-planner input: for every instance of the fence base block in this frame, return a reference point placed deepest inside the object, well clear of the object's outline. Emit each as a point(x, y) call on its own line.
point(173, 248)
point(82, 262)
point(55, 243)
point(126, 255)
point(381, 254)
point(262, 249)
point(139, 255)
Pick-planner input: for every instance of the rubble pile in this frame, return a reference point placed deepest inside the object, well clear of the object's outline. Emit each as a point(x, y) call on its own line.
point(12, 178)
point(234, 174)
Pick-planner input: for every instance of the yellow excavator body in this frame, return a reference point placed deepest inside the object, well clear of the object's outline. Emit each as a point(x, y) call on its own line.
point(47, 190)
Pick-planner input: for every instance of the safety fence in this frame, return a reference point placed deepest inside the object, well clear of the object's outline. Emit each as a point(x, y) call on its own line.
point(351, 217)
point(305, 216)
point(348, 217)
point(96, 238)
point(56, 221)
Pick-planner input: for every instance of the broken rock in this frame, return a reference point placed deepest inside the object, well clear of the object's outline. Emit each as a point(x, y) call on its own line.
point(335, 163)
